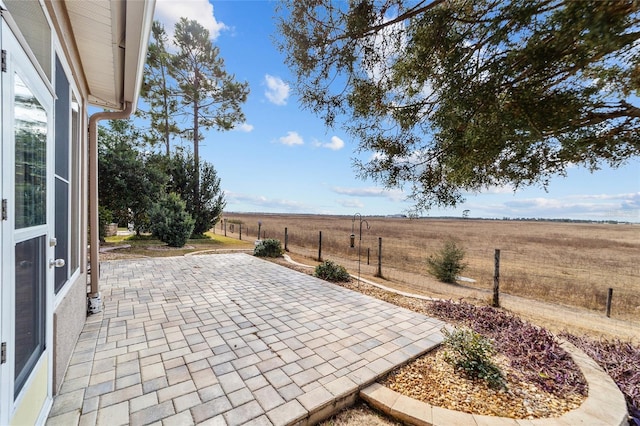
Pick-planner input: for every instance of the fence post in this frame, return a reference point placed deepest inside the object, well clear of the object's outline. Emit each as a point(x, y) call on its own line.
point(241, 232)
point(225, 227)
point(496, 280)
point(368, 255)
point(286, 239)
point(379, 272)
point(609, 297)
point(320, 246)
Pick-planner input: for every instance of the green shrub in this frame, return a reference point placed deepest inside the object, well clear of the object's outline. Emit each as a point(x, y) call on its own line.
point(471, 352)
point(269, 247)
point(105, 217)
point(170, 221)
point(447, 264)
point(331, 271)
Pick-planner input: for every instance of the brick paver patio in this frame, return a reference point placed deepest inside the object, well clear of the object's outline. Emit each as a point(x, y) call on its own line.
point(229, 339)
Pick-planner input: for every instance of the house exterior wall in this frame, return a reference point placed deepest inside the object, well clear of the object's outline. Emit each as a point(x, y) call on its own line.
point(66, 304)
point(41, 40)
point(68, 321)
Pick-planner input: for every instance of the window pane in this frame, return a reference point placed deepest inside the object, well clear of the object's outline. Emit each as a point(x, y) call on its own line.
point(31, 156)
point(75, 189)
point(62, 231)
point(63, 109)
point(30, 307)
point(62, 141)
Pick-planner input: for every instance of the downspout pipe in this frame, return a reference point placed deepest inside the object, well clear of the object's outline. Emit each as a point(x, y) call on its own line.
point(94, 221)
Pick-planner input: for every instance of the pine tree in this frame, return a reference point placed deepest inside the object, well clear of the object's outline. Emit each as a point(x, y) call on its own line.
point(458, 96)
point(158, 90)
point(210, 96)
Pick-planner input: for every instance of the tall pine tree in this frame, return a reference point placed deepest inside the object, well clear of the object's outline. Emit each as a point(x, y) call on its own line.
point(210, 96)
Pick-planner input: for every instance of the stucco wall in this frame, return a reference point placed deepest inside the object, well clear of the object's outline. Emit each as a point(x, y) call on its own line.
point(68, 321)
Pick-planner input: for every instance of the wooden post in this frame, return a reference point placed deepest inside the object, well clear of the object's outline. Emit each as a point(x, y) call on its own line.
point(320, 246)
point(609, 297)
point(225, 227)
point(379, 272)
point(240, 231)
point(286, 239)
point(496, 280)
point(368, 255)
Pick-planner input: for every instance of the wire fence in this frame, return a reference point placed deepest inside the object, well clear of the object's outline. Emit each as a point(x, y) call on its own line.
point(583, 265)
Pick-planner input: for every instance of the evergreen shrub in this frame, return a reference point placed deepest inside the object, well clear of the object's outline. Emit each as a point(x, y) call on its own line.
point(170, 221)
point(447, 263)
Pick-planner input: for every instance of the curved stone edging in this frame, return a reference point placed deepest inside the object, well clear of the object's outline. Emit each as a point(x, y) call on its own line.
point(364, 280)
point(604, 405)
point(199, 252)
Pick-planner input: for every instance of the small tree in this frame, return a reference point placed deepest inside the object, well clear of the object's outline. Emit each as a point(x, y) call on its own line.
point(170, 221)
point(207, 209)
point(447, 263)
point(471, 352)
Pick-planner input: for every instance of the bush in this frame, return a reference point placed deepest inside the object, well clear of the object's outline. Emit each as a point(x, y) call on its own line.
point(471, 352)
point(269, 247)
point(331, 271)
point(170, 221)
point(105, 217)
point(447, 264)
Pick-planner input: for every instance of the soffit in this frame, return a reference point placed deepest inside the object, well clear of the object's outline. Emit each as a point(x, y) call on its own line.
point(99, 37)
point(110, 38)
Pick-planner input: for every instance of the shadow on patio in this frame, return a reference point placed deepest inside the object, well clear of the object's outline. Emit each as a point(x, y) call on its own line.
point(229, 339)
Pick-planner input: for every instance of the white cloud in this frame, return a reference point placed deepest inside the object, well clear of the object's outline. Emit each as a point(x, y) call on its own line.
point(244, 127)
point(267, 204)
point(335, 144)
point(349, 203)
point(391, 194)
point(292, 139)
point(277, 90)
point(504, 189)
point(168, 12)
point(578, 206)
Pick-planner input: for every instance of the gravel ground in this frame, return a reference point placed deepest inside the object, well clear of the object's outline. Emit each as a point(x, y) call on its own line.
point(431, 379)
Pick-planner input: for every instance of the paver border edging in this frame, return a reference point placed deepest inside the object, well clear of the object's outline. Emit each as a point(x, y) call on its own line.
point(604, 405)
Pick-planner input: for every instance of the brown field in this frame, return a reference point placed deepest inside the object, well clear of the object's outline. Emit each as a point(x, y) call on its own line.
point(567, 263)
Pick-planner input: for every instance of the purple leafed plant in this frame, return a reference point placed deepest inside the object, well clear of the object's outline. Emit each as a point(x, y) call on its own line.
point(532, 350)
point(621, 360)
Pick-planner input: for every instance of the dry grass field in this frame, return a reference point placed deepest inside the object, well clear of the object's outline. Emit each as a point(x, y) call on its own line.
point(567, 263)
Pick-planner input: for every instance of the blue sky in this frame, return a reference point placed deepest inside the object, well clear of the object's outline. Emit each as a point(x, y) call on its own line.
point(284, 160)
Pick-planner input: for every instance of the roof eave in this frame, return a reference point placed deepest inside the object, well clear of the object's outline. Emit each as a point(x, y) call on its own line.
point(139, 19)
